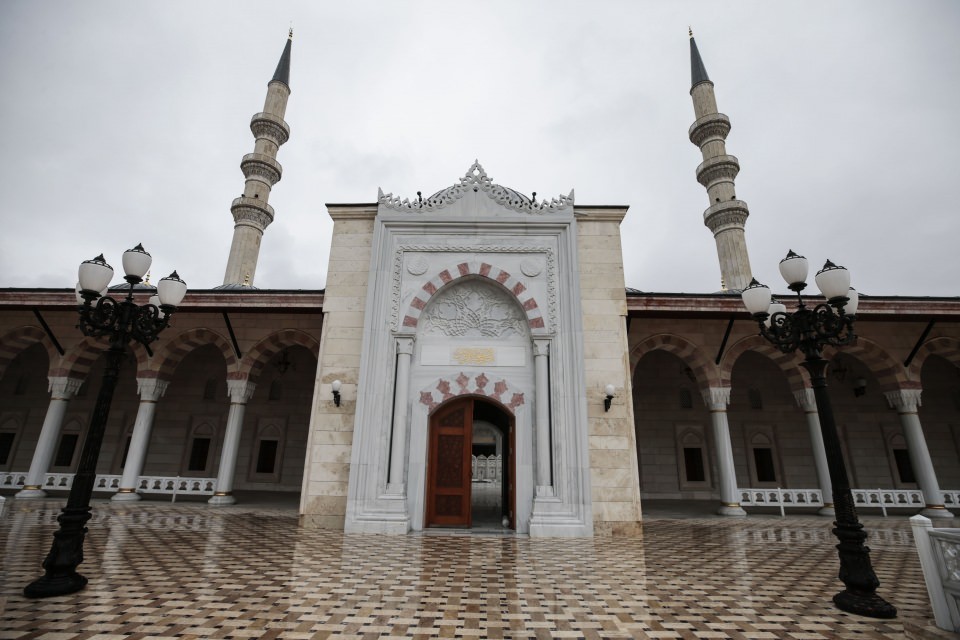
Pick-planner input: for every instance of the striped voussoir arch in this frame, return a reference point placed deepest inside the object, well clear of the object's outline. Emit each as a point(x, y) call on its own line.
point(946, 347)
point(16, 340)
point(443, 389)
point(254, 360)
point(890, 374)
point(168, 357)
point(79, 359)
point(705, 371)
point(789, 363)
point(514, 285)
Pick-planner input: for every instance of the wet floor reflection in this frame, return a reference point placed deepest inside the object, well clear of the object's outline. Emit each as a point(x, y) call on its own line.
point(191, 570)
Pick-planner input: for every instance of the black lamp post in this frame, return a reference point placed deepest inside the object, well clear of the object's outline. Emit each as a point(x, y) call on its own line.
point(120, 322)
point(809, 330)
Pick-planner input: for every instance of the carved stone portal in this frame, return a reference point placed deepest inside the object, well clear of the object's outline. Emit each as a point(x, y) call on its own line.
point(474, 309)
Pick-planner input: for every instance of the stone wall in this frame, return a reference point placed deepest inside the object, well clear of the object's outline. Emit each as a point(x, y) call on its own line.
point(324, 495)
point(613, 454)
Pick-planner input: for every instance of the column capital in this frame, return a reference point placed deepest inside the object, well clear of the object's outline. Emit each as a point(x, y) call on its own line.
point(63, 387)
point(405, 345)
point(541, 347)
point(806, 399)
point(151, 389)
point(240, 391)
point(716, 398)
point(904, 400)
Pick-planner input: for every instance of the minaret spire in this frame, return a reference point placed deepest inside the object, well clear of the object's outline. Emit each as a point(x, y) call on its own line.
point(251, 213)
point(726, 215)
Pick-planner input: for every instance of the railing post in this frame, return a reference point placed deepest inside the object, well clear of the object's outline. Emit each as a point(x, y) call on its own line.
point(922, 527)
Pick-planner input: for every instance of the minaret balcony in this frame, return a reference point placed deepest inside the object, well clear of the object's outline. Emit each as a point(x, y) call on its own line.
point(269, 126)
point(724, 216)
point(713, 126)
point(252, 212)
point(262, 167)
point(718, 169)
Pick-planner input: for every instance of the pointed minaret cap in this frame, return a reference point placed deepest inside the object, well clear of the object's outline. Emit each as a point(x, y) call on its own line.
point(282, 74)
point(698, 73)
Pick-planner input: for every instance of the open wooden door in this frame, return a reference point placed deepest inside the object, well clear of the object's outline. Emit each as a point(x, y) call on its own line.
point(449, 472)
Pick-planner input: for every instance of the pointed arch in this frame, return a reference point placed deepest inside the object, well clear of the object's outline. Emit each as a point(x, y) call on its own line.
point(166, 360)
point(703, 369)
point(788, 363)
point(256, 358)
point(79, 359)
point(443, 389)
point(475, 268)
point(946, 347)
point(17, 340)
point(889, 373)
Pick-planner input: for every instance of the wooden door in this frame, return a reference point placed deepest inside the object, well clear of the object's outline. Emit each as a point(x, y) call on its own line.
point(449, 473)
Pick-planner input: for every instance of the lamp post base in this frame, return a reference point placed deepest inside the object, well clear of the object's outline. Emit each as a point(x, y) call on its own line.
point(48, 586)
point(864, 604)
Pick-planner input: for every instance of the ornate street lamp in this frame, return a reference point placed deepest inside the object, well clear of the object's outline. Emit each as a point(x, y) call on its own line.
point(120, 322)
point(809, 330)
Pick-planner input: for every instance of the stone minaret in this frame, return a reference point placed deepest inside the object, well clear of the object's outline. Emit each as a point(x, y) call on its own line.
point(726, 215)
point(251, 213)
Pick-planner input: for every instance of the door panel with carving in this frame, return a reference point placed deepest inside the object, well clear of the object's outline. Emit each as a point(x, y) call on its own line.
point(448, 479)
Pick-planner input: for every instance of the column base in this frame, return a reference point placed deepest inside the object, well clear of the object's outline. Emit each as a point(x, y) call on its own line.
point(936, 511)
point(731, 509)
point(222, 499)
point(396, 489)
point(827, 510)
point(544, 491)
point(125, 495)
point(30, 492)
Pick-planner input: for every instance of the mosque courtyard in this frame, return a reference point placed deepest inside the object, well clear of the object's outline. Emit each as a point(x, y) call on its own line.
point(187, 570)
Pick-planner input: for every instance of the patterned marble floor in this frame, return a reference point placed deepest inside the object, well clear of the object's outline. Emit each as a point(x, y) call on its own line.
point(191, 571)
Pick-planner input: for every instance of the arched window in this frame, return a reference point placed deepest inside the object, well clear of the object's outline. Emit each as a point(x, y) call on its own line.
point(266, 460)
point(199, 454)
point(901, 466)
point(693, 467)
point(763, 459)
point(9, 432)
point(68, 447)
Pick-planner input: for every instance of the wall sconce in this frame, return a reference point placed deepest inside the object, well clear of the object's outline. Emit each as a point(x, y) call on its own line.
point(609, 389)
point(859, 387)
point(335, 385)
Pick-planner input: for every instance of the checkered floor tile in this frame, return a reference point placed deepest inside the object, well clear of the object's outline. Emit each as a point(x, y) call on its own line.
point(192, 571)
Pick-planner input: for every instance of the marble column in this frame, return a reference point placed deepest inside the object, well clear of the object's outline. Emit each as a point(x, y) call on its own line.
point(398, 449)
point(717, 399)
point(150, 390)
point(541, 352)
point(906, 402)
point(808, 403)
point(240, 392)
point(61, 390)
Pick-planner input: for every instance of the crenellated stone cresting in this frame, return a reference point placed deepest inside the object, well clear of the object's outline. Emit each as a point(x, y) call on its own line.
point(258, 166)
point(713, 126)
point(722, 216)
point(269, 126)
point(251, 212)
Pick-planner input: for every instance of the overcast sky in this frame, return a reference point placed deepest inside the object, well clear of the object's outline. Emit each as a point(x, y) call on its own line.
point(124, 122)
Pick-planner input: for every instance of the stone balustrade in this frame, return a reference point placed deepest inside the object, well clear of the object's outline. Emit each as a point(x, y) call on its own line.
point(939, 551)
point(170, 485)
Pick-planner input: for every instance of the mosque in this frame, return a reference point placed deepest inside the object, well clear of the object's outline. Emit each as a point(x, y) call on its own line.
point(476, 360)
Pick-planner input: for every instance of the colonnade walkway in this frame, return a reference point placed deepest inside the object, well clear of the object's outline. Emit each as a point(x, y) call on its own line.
point(186, 570)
